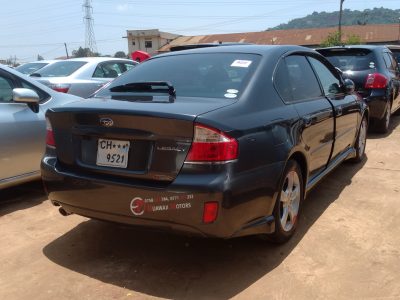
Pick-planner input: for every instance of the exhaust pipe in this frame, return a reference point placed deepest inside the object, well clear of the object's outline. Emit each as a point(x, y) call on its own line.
point(63, 212)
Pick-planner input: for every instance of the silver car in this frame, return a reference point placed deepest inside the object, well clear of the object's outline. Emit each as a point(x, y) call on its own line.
point(34, 66)
point(82, 76)
point(23, 103)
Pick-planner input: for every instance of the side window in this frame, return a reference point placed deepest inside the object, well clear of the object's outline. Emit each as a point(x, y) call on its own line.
point(42, 95)
point(386, 58)
point(392, 61)
point(107, 70)
point(129, 66)
point(282, 83)
point(330, 83)
point(304, 85)
point(6, 88)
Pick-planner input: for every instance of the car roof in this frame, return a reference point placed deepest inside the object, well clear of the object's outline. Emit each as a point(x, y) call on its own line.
point(97, 59)
point(394, 47)
point(47, 61)
point(245, 48)
point(203, 45)
point(369, 47)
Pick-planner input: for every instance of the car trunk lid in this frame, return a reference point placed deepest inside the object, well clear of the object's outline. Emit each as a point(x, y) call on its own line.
point(158, 135)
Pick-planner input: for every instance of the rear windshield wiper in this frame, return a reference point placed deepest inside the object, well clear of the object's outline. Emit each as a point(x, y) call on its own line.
point(146, 87)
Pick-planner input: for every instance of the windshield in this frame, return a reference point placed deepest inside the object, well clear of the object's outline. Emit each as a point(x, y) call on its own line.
point(209, 75)
point(61, 69)
point(30, 68)
point(351, 59)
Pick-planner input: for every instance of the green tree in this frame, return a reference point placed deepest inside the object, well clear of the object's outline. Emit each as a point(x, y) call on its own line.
point(353, 40)
point(39, 57)
point(84, 52)
point(333, 40)
point(120, 54)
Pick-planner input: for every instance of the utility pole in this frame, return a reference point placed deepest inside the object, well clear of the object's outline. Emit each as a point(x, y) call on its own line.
point(340, 21)
point(90, 40)
point(66, 50)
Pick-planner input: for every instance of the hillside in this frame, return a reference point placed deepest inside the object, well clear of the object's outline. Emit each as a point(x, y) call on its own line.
point(350, 17)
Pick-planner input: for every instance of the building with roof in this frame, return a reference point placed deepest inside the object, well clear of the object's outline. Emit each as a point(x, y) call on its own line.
point(149, 40)
point(311, 37)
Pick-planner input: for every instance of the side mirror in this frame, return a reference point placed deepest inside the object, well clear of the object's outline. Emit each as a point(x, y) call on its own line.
point(349, 86)
point(28, 96)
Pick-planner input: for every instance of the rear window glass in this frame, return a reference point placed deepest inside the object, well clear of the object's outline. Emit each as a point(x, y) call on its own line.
point(30, 68)
point(209, 75)
point(61, 69)
point(351, 59)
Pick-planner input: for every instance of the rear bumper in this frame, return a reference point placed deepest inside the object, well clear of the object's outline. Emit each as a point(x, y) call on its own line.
point(245, 203)
point(377, 102)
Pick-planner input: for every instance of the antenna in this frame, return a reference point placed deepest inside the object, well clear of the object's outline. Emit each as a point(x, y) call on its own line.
point(90, 40)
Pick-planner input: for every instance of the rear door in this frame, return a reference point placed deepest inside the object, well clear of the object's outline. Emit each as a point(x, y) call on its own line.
point(314, 109)
point(393, 71)
point(22, 133)
point(346, 107)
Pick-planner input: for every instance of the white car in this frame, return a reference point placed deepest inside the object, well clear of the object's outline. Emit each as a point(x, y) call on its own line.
point(34, 66)
point(82, 76)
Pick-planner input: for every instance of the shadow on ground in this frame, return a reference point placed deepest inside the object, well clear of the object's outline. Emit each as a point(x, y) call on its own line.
point(21, 197)
point(394, 123)
point(169, 266)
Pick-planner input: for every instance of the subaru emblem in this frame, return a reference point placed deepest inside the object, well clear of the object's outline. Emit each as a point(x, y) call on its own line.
point(106, 122)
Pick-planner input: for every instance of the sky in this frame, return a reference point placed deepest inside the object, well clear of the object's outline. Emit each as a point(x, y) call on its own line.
point(41, 27)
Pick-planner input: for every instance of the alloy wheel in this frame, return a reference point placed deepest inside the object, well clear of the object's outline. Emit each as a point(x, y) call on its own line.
point(362, 137)
point(290, 201)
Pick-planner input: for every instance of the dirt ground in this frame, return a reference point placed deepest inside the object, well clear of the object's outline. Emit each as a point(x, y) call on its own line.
point(347, 247)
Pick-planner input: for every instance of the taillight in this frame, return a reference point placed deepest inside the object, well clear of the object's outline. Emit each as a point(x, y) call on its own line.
point(210, 212)
point(211, 145)
point(376, 81)
point(49, 135)
point(59, 87)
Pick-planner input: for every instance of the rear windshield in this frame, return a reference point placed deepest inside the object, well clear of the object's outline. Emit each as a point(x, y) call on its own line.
point(209, 75)
point(30, 68)
point(61, 69)
point(351, 59)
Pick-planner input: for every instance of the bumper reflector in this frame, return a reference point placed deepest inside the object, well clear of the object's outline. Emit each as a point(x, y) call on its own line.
point(210, 212)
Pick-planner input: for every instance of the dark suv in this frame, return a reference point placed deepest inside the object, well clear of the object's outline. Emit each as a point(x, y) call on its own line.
point(376, 76)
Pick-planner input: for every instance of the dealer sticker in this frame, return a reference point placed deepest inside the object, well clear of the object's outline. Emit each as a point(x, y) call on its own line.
point(241, 63)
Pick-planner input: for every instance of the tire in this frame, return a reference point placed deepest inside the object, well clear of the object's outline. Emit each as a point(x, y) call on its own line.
point(287, 207)
point(382, 125)
point(361, 141)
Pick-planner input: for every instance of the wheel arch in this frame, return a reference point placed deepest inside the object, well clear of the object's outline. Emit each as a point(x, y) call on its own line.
point(301, 159)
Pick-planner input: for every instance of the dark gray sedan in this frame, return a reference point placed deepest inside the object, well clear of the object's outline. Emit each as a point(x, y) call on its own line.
point(23, 103)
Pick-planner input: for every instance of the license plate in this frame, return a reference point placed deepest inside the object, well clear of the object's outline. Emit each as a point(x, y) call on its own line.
point(112, 153)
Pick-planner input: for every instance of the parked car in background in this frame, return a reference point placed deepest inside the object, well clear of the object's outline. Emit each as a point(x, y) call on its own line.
point(396, 52)
point(34, 66)
point(23, 103)
point(220, 141)
point(82, 76)
point(376, 76)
